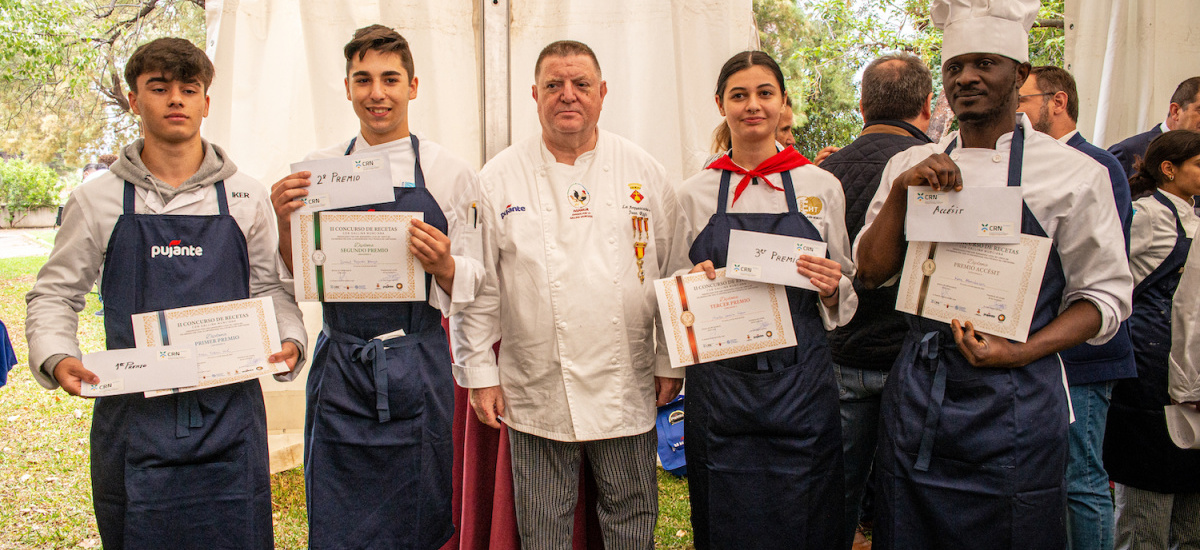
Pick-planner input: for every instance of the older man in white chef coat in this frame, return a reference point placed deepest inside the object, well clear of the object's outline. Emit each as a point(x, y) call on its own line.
point(576, 227)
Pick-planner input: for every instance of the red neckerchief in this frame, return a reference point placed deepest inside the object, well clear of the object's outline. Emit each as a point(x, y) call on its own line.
point(784, 160)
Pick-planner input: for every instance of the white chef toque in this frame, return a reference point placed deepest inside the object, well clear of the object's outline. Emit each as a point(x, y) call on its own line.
point(985, 26)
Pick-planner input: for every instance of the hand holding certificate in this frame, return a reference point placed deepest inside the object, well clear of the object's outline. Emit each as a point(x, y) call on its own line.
point(342, 182)
point(355, 257)
point(232, 339)
point(995, 287)
point(706, 320)
point(139, 370)
point(768, 258)
point(972, 215)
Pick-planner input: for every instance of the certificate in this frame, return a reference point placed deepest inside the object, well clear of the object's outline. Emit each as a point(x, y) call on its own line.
point(232, 339)
point(707, 320)
point(993, 286)
point(768, 258)
point(342, 182)
point(355, 257)
point(137, 370)
point(974, 215)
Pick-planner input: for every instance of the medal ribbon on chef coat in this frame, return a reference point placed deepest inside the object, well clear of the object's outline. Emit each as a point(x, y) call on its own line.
point(641, 234)
point(783, 161)
point(687, 318)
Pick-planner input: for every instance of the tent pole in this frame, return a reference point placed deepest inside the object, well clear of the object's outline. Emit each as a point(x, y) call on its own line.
point(496, 89)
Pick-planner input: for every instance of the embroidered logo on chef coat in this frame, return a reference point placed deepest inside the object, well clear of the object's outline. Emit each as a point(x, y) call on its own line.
point(636, 195)
point(578, 196)
point(175, 248)
point(810, 206)
point(510, 209)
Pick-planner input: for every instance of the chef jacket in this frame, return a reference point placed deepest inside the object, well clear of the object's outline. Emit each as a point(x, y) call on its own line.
point(1152, 234)
point(1068, 193)
point(577, 359)
point(820, 198)
point(454, 186)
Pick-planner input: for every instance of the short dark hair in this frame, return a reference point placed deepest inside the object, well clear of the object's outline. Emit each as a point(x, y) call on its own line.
point(1175, 147)
point(564, 48)
point(1051, 80)
point(1185, 93)
point(895, 91)
point(107, 159)
point(380, 39)
point(176, 58)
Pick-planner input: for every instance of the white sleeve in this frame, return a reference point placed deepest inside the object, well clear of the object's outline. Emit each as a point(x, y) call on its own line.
point(475, 328)
point(1095, 269)
point(671, 254)
point(60, 291)
point(1184, 375)
point(465, 247)
point(833, 230)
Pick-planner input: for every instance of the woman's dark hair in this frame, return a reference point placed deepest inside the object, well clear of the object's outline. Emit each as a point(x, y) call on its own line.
point(1176, 147)
point(722, 139)
point(745, 60)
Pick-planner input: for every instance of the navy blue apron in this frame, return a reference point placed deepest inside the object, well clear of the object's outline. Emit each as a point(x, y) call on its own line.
point(188, 470)
point(378, 447)
point(974, 457)
point(763, 432)
point(1138, 451)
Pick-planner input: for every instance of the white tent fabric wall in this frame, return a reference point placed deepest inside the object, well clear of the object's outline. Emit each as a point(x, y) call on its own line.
point(1127, 57)
point(279, 92)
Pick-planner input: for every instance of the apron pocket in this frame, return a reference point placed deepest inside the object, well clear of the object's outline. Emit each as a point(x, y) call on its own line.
point(1038, 519)
point(176, 506)
point(347, 386)
point(978, 422)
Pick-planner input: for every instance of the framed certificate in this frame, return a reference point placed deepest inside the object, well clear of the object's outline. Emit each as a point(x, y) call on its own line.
point(707, 320)
point(993, 286)
point(355, 257)
point(232, 340)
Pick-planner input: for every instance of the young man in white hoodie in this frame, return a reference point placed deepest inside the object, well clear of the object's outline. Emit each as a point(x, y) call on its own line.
point(188, 469)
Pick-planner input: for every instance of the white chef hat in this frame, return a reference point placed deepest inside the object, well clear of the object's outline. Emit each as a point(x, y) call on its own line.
point(985, 26)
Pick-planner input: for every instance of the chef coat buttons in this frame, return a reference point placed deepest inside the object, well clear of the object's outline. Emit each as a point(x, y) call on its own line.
point(997, 157)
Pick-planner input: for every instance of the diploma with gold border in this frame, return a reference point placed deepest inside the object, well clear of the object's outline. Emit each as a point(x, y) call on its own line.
point(707, 320)
point(355, 257)
point(232, 340)
point(995, 286)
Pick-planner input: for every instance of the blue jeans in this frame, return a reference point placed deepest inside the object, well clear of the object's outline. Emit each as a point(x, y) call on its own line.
point(1089, 503)
point(859, 391)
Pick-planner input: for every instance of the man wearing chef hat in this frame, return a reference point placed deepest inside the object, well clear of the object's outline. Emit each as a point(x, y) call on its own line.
point(974, 440)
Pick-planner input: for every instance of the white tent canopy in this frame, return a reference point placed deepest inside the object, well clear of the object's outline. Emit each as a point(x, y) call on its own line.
point(1127, 57)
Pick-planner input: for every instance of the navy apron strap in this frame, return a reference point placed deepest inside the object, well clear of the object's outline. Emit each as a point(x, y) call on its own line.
point(130, 197)
point(350, 147)
point(222, 199)
point(1160, 197)
point(929, 348)
point(1166, 267)
point(790, 192)
point(723, 191)
point(418, 173)
point(1016, 155)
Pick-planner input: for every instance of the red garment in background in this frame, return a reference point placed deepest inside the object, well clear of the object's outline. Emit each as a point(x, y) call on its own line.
point(484, 514)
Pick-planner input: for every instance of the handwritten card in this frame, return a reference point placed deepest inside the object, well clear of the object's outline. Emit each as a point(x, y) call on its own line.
point(768, 258)
point(342, 182)
point(987, 215)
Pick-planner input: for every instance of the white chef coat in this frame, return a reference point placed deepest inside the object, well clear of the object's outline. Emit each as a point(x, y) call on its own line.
point(577, 357)
point(1184, 375)
point(88, 218)
point(455, 187)
point(1071, 197)
point(1152, 233)
point(820, 198)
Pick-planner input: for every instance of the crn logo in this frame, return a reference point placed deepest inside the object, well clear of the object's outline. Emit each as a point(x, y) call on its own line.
point(175, 248)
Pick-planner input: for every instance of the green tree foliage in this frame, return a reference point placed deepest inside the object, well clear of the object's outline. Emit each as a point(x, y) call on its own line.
point(63, 98)
point(26, 185)
point(821, 45)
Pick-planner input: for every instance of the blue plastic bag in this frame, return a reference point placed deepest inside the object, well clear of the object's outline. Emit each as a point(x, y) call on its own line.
point(670, 437)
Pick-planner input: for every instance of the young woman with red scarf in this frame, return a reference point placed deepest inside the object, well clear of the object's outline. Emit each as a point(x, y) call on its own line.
point(763, 432)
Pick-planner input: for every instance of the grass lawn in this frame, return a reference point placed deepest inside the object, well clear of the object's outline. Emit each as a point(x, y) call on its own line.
point(45, 486)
